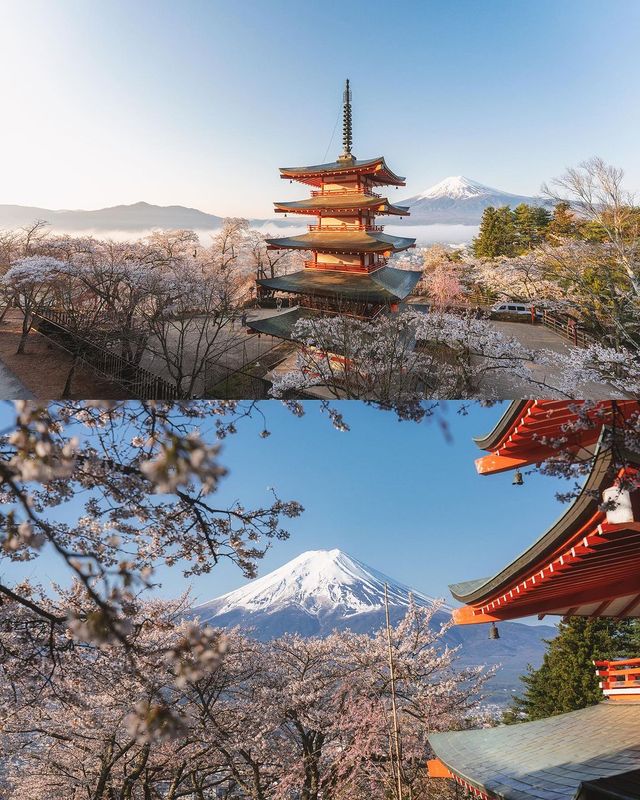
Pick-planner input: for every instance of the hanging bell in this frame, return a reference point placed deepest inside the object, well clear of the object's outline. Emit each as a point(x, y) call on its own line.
point(494, 633)
point(517, 479)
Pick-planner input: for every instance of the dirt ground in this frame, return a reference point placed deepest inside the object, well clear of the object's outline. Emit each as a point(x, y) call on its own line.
point(43, 368)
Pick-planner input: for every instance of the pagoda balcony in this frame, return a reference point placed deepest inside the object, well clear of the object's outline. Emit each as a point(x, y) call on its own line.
point(620, 678)
point(310, 263)
point(341, 192)
point(347, 227)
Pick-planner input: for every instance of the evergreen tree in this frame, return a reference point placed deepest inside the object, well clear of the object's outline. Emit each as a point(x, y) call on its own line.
point(567, 679)
point(530, 223)
point(562, 224)
point(497, 235)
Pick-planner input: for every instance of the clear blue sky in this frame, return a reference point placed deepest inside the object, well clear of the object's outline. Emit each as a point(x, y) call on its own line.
point(198, 102)
point(394, 495)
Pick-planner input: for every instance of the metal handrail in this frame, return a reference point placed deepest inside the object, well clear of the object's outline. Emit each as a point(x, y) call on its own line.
point(136, 379)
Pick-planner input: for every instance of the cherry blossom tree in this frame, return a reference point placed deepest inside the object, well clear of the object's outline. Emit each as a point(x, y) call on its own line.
point(146, 477)
point(28, 284)
point(187, 313)
point(208, 712)
point(595, 191)
point(271, 263)
point(444, 287)
point(400, 360)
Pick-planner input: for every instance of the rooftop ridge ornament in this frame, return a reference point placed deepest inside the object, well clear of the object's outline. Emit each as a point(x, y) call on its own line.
point(347, 133)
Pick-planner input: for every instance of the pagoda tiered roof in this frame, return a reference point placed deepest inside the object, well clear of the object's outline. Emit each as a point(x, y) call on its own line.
point(549, 759)
point(531, 431)
point(341, 202)
point(586, 564)
point(385, 285)
point(375, 169)
point(349, 241)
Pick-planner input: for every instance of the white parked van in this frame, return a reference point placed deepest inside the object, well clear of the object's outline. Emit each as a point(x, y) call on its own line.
point(513, 307)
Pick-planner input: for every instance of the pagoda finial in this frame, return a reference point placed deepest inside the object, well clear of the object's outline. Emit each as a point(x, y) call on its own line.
point(347, 138)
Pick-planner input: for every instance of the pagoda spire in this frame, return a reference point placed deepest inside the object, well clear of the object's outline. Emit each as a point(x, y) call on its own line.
point(347, 136)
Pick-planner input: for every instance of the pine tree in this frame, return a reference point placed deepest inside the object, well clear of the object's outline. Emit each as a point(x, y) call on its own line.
point(530, 223)
point(497, 235)
point(563, 224)
point(566, 680)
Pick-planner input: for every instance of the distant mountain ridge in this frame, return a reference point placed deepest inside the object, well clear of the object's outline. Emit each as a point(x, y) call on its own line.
point(325, 590)
point(460, 201)
point(136, 217)
point(454, 201)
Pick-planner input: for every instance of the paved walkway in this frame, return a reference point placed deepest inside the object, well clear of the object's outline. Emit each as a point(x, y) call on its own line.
point(539, 337)
point(10, 387)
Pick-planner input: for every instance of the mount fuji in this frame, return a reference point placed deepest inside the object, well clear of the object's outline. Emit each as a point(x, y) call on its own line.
point(325, 590)
point(460, 201)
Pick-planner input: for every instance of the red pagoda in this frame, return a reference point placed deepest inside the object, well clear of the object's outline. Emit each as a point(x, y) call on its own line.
point(347, 270)
point(586, 564)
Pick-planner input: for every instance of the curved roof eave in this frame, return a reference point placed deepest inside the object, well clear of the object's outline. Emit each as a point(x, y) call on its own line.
point(583, 507)
point(333, 167)
point(491, 440)
point(313, 204)
point(320, 242)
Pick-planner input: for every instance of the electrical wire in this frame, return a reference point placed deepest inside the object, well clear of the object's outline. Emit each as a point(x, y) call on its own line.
point(326, 152)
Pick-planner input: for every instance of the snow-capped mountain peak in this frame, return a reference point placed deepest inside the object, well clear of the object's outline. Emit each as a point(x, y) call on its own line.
point(460, 201)
point(457, 187)
point(322, 591)
point(317, 582)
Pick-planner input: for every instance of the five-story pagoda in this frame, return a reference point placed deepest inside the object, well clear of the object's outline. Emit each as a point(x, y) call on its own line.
point(347, 270)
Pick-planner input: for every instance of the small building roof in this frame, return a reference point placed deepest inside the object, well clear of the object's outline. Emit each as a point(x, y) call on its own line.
point(343, 242)
point(548, 759)
point(375, 169)
point(385, 285)
point(340, 202)
point(583, 564)
point(281, 325)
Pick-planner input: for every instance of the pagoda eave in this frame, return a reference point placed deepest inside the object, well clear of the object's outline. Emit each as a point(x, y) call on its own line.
point(375, 170)
point(383, 286)
point(587, 562)
point(353, 205)
point(530, 431)
point(354, 242)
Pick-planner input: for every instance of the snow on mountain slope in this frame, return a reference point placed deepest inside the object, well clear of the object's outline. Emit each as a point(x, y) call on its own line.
point(325, 590)
point(460, 201)
point(317, 581)
point(458, 188)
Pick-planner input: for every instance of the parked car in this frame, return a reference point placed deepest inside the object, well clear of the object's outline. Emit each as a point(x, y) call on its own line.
point(513, 307)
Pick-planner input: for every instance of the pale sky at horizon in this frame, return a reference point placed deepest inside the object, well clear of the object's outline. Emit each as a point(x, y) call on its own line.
point(198, 103)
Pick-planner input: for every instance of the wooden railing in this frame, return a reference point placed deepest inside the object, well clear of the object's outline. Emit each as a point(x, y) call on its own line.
point(137, 381)
point(568, 329)
point(332, 192)
point(311, 263)
point(620, 677)
point(346, 228)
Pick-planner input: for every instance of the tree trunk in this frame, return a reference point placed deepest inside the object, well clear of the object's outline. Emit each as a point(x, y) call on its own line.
point(22, 343)
point(26, 327)
point(67, 386)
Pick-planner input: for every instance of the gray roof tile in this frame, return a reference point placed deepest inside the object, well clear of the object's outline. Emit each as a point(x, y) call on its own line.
point(547, 759)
